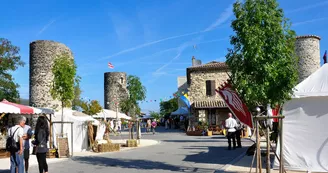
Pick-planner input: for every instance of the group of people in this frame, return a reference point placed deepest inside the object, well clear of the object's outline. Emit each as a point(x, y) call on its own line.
point(151, 126)
point(21, 135)
point(233, 133)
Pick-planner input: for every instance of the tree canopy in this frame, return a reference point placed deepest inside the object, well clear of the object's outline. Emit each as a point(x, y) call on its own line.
point(76, 102)
point(137, 92)
point(262, 61)
point(91, 107)
point(64, 71)
point(156, 115)
point(9, 61)
point(166, 107)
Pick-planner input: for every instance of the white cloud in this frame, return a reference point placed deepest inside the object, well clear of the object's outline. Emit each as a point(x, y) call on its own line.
point(222, 18)
point(307, 7)
point(46, 27)
point(309, 21)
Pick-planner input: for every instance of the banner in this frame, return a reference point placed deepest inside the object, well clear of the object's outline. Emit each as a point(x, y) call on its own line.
point(185, 99)
point(234, 103)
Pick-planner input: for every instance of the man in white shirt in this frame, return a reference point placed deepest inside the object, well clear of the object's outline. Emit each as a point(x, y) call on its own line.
point(16, 158)
point(230, 125)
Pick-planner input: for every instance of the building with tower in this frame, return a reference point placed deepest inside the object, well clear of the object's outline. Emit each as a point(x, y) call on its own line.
point(42, 56)
point(307, 49)
point(115, 89)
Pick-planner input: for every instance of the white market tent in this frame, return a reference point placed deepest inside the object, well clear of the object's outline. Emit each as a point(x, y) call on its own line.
point(106, 113)
point(306, 117)
point(181, 111)
point(80, 128)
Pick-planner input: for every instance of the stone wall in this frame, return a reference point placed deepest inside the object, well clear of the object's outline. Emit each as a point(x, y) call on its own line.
point(308, 50)
point(42, 55)
point(115, 89)
point(197, 88)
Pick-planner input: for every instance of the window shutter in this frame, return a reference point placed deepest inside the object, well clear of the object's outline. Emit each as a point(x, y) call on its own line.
point(208, 87)
point(212, 87)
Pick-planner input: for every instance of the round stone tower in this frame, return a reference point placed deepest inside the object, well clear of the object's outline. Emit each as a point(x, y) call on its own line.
point(42, 55)
point(308, 50)
point(115, 89)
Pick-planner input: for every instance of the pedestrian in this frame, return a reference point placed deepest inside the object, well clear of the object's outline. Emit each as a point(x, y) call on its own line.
point(239, 128)
point(153, 126)
point(41, 140)
point(148, 125)
point(16, 134)
point(230, 125)
point(27, 136)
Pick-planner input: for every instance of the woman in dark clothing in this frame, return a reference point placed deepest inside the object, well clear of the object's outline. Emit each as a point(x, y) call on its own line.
point(41, 140)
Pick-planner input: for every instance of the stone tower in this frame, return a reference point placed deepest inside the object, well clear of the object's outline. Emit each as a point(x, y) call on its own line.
point(42, 55)
point(115, 86)
point(308, 50)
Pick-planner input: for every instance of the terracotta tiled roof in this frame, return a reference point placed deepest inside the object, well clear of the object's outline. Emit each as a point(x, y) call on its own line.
point(210, 65)
point(309, 36)
point(209, 104)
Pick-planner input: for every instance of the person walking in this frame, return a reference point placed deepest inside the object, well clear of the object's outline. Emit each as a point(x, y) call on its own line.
point(148, 125)
point(26, 142)
point(239, 128)
point(41, 140)
point(16, 134)
point(153, 126)
point(230, 125)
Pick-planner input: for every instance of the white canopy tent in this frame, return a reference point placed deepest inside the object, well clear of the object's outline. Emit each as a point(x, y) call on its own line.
point(106, 113)
point(80, 128)
point(305, 134)
point(181, 111)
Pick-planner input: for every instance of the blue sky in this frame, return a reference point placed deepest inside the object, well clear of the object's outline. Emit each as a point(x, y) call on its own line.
point(152, 39)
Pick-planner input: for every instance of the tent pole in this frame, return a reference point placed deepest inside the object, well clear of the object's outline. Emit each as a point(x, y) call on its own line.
point(268, 168)
point(281, 147)
point(50, 140)
point(257, 146)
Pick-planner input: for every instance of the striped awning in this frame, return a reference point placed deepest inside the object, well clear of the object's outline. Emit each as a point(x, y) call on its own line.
point(14, 108)
point(209, 104)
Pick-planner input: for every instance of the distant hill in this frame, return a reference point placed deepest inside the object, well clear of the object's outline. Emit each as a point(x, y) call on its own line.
point(24, 101)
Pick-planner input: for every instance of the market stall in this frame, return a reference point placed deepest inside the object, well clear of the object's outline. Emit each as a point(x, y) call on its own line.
point(8, 111)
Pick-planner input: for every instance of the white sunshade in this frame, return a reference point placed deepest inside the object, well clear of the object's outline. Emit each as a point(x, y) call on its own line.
point(315, 85)
point(106, 113)
point(14, 108)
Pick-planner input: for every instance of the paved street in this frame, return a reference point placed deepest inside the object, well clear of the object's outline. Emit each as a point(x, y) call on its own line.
point(175, 153)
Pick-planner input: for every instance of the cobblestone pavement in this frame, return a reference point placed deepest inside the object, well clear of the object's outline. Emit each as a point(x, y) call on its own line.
point(176, 152)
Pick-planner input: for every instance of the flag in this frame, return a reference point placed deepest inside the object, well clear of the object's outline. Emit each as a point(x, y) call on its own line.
point(325, 57)
point(185, 99)
point(110, 65)
point(235, 104)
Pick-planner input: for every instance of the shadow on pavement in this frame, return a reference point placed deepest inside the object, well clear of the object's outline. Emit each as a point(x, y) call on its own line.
point(136, 164)
point(214, 155)
point(201, 140)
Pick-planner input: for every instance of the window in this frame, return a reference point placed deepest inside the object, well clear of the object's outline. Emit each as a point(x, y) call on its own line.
point(210, 87)
point(122, 80)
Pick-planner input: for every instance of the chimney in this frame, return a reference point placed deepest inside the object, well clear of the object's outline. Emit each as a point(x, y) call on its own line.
point(193, 61)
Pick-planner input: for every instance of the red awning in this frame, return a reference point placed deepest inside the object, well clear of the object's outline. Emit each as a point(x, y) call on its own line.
point(9, 107)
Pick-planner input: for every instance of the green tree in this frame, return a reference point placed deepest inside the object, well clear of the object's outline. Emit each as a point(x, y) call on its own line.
point(9, 61)
point(64, 71)
point(166, 107)
point(263, 63)
point(155, 115)
point(137, 92)
point(90, 107)
point(76, 102)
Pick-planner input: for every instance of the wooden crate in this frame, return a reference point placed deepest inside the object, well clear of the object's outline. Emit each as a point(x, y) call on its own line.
point(4, 154)
point(194, 133)
point(209, 133)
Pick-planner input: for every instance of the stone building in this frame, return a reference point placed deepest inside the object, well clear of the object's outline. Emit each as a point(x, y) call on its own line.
point(307, 49)
point(115, 89)
point(207, 105)
point(42, 56)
